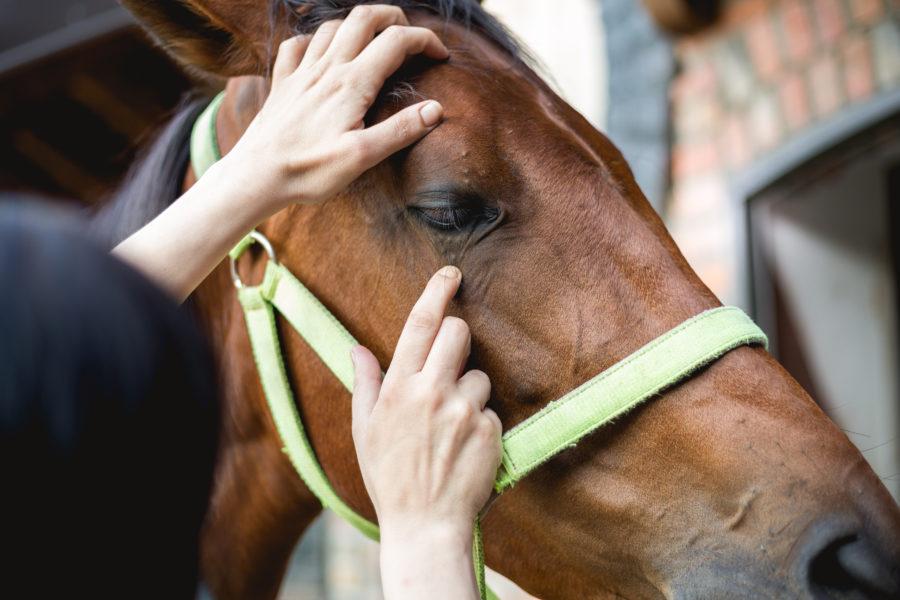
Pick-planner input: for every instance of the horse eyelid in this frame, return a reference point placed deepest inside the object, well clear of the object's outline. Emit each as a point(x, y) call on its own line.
point(448, 210)
point(449, 217)
point(445, 217)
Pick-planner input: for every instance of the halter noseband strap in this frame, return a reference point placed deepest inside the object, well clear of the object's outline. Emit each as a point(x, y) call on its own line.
point(662, 363)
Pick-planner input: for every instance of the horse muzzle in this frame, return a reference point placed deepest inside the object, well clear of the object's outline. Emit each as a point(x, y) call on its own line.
point(836, 561)
point(829, 561)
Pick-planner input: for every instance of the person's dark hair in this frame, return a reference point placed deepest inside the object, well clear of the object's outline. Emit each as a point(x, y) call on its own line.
point(108, 421)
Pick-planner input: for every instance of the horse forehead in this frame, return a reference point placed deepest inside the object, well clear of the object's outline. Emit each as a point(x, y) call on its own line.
point(477, 69)
point(482, 109)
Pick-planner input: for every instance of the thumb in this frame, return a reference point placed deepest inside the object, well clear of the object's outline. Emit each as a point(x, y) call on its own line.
point(399, 131)
point(366, 387)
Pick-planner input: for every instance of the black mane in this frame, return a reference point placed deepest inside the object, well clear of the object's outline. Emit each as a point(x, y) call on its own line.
point(154, 180)
point(310, 14)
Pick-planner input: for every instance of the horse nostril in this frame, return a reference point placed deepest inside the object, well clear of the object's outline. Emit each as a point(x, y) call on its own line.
point(851, 567)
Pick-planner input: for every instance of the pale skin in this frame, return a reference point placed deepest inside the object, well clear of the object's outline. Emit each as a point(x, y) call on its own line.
point(428, 485)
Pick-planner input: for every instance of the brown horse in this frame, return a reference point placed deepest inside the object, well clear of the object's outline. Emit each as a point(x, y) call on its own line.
point(732, 484)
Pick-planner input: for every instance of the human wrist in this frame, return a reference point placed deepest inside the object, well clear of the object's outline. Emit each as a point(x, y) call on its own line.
point(434, 561)
point(424, 533)
point(258, 192)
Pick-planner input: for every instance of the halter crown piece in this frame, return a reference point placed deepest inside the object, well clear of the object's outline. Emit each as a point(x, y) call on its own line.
point(660, 364)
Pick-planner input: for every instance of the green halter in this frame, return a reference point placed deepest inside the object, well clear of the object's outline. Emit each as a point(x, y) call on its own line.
point(660, 364)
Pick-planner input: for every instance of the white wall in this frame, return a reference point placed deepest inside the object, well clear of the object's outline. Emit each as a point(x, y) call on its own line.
point(567, 36)
point(830, 245)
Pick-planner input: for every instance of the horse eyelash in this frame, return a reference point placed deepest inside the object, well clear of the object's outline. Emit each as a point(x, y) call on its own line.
point(448, 216)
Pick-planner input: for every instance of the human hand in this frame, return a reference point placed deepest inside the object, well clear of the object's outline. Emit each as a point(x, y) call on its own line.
point(427, 446)
point(310, 132)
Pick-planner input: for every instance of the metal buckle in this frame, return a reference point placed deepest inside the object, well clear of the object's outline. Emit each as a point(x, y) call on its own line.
point(262, 241)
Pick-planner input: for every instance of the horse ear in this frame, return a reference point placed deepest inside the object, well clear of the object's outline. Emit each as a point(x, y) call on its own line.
point(226, 38)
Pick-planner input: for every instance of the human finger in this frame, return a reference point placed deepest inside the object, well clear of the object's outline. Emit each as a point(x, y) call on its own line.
point(376, 143)
point(386, 53)
point(450, 349)
point(290, 54)
point(366, 387)
point(424, 321)
point(495, 421)
point(321, 40)
point(475, 385)
point(360, 27)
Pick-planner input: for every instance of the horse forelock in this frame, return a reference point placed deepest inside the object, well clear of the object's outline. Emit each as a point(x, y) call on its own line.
point(308, 15)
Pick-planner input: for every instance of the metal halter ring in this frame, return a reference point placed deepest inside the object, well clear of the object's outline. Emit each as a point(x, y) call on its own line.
point(260, 239)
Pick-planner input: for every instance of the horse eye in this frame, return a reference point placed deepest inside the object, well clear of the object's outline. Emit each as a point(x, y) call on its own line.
point(446, 213)
point(445, 218)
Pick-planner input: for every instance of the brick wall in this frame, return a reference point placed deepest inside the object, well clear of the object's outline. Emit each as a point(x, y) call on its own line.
point(768, 71)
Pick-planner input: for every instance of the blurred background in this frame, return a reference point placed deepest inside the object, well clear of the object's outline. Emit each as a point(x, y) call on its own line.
point(765, 132)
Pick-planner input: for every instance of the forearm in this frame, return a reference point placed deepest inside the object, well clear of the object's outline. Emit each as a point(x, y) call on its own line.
point(432, 562)
point(182, 245)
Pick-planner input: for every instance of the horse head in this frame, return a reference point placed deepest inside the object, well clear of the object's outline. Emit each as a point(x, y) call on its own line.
point(731, 484)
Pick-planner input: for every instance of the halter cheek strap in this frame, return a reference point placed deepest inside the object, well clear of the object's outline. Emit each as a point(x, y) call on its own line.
point(662, 363)
point(328, 337)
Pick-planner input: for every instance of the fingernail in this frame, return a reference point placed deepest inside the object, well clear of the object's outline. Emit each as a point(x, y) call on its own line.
point(451, 273)
point(431, 113)
point(353, 357)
